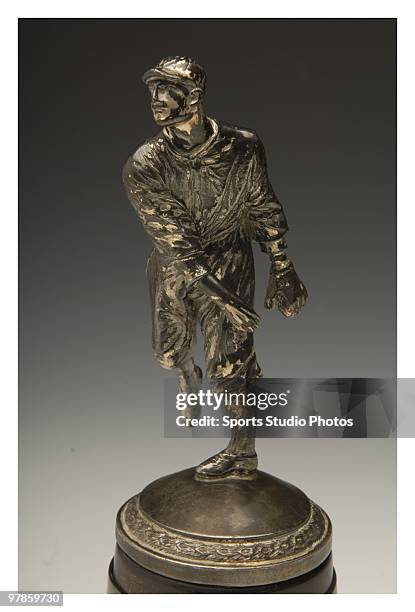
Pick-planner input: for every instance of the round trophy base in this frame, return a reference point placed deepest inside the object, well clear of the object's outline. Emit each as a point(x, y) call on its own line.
point(184, 535)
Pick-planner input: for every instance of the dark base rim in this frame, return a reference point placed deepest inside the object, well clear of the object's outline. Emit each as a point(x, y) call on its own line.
point(114, 588)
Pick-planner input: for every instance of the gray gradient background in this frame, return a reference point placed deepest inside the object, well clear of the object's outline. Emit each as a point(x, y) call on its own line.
point(321, 95)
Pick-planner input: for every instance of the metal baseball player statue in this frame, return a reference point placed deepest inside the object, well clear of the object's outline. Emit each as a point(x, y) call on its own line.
point(202, 192)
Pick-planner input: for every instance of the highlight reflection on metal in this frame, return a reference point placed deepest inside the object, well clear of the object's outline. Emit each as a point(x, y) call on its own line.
point(201, 190)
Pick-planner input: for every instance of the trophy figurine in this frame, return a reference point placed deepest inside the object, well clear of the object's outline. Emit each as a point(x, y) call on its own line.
point(201, 190)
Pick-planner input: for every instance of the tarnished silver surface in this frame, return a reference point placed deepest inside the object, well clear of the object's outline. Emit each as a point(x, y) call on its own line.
point(201, 190)
point(228, 533)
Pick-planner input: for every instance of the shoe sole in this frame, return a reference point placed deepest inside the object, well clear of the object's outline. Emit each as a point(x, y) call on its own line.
point(236, 474)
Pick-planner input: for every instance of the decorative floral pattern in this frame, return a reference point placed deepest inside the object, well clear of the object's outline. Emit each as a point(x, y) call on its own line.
point(141, 530)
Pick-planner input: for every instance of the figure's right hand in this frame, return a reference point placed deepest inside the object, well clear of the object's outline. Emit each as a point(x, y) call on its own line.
point(238, 313)
point(241, 316)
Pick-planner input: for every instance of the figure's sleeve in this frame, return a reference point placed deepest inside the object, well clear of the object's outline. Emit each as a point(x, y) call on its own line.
point(165, 218)
point(267, 222)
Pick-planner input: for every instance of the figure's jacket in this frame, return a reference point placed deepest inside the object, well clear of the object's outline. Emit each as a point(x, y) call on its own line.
point(203, 208)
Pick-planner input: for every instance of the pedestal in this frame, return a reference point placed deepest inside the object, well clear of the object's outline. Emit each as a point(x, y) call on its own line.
point(182, 535)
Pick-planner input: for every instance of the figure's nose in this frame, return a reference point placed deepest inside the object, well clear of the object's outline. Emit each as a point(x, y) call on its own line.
point(154, 94)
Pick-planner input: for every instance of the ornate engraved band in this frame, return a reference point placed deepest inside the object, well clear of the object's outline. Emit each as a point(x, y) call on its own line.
point(262, 560)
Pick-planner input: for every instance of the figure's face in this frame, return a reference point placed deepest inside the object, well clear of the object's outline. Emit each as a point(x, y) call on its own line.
point(170, 103)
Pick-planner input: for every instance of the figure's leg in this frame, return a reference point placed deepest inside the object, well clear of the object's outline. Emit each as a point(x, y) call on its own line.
point(238, 459)
point(174, 323)
point(190, 375)
point(230, 360)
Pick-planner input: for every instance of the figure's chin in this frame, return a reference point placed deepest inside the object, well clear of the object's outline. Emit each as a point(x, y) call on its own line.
point(169, 121)
point(161, 120)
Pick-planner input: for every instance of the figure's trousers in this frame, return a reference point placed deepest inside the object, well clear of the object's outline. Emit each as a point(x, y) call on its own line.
point(230, 358)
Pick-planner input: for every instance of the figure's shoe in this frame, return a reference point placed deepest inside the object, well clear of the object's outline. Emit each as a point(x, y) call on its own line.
point(191, 384)
point(227, 465)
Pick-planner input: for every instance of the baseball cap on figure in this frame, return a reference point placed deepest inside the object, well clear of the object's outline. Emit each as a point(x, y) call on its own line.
point(178, 69)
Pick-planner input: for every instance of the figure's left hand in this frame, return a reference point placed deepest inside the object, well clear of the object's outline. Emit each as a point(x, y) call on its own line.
point(285, 292)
